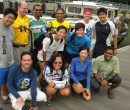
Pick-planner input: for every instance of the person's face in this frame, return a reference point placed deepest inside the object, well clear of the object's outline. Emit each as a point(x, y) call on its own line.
point(8, 19)
point(102, 16)
point(37, 11)
point(108, 55)
point(26, 62)
point(23, 9)
point(80, 32)
point(61, 33)
point(60, 15)
point(57, 64)
point(83, 54)
point(87, 16)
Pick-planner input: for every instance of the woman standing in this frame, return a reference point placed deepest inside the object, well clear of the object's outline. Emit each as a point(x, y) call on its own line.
point(80, 71)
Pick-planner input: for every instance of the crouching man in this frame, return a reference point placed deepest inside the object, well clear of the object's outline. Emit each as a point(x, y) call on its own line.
point(21, 84)
point(105, 70)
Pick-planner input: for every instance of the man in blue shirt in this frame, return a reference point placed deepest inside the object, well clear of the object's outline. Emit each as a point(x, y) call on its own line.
point(21, 84)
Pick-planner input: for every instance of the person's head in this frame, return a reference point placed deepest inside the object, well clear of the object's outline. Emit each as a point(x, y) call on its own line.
point(87, 14)
point(108, 53)
point(26, 60)
point(79, 29)
point(37, 10)
point(60, 14)
point(56, 62)
point(102, 14)
point(61, 32)
point(121, 18)
point(9, 16)
point(23, 8)
point(83, 53)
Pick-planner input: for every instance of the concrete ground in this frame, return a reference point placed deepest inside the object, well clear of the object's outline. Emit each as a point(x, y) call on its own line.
point(99, 101)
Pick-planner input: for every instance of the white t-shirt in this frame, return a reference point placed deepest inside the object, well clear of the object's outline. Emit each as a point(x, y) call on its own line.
point(49, 49)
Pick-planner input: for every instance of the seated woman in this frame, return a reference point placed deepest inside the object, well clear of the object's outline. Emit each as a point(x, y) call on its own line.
point(56, 77)
point(80, 70)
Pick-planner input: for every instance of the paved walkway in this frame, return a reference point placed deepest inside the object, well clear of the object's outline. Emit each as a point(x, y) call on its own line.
point(99, 101)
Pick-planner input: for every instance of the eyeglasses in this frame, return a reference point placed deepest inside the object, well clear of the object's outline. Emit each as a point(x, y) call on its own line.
point(57, 62)
point(37, 10)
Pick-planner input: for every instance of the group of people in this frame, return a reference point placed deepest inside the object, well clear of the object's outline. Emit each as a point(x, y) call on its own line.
point(65, 58)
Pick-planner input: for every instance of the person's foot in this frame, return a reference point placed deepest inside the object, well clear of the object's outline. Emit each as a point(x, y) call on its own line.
point(28, 103)
point(49, 100)
point(6, 101)
point(110, 94)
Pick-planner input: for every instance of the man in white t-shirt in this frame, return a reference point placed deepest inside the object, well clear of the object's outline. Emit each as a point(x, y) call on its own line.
point(88, 22)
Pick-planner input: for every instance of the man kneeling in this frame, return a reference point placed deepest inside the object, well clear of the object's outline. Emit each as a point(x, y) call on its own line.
point(105, 69)
point(21, 84)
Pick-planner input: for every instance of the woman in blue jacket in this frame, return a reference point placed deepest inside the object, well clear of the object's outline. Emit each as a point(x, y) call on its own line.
point(80, 72)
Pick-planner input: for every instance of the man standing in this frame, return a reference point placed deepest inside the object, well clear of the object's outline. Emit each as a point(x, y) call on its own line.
point(6, 48)
point(36, 23)
point(105, 70)
point(104, 31)
point(21, 33)
point(88, 22)
point(21, 83)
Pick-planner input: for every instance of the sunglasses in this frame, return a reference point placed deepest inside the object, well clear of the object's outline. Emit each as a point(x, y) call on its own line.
point(57, 62)
point(37, 10)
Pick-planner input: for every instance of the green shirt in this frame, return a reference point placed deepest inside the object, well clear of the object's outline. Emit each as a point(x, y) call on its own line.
point(35, 28)
point(105, 68)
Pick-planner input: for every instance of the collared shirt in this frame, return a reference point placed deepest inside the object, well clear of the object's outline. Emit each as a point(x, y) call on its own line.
point(105, 68)
point(21, 33)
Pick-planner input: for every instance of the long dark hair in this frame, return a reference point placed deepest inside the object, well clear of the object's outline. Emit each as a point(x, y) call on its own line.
point(52, 60)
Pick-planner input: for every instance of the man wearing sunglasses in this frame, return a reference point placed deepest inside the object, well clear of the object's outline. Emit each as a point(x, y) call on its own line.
point(36, 23)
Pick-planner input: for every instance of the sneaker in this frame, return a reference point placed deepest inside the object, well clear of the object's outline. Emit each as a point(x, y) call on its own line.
point(49, 100)
point(110, 94)
point(28, 103)
point(6, 101)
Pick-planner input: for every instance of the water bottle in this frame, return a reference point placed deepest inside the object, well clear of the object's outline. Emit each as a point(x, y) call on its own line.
point(44, 29)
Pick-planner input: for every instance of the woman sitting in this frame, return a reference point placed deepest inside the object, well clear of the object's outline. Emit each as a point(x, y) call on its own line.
point(56, 77)
point(80, 70)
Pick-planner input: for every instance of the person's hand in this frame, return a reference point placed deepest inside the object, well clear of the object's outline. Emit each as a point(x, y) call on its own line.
point(103, 84)
point(115, 51)
point(34, 108)
point(86, 94)
point(19, 101)
point(51, 83)
point(42, 64)
point(79, 87)
point(67, 84)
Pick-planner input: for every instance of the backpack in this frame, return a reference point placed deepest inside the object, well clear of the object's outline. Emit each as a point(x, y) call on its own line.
point(38, 41)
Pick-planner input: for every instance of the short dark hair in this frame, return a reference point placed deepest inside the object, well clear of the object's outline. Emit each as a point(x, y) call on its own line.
point(83, 48)
point(109, 48)
point(102, 9)
point(10, 11)
point(26, 53)
point(36, 5)
point(52, 60)
point(60, 9)
point(79, 25)
point(61, 27)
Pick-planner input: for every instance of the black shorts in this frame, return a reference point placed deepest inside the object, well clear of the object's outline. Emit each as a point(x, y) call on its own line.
point(83, 82)
point(44, 84)
point(69, 57)
point(98, 50)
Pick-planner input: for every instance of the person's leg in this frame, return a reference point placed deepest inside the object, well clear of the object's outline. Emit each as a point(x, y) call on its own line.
point(24, 95)
point(115, 82)
point(75, 88)
point(65, 91)
point(95, 84)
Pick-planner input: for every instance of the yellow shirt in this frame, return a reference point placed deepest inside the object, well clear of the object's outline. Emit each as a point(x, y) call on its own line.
point(21, 30)
point(54, 24)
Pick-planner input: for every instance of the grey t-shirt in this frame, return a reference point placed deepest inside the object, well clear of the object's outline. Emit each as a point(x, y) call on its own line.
point(6, 46)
